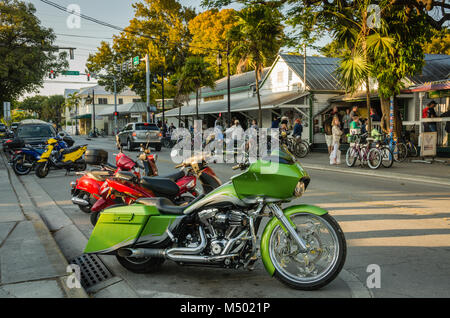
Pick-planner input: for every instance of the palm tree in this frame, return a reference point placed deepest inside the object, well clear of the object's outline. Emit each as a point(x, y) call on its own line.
point(258, 35)
point(361, 44)
point(74, 100)
point(195, 75)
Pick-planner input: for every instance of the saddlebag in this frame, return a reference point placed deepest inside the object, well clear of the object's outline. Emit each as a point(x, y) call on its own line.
point(118, 227)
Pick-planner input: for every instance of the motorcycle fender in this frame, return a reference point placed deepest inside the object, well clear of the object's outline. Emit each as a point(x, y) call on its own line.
point(88, 185)
point(272, 224)
point(46, 154)
point(119, 227)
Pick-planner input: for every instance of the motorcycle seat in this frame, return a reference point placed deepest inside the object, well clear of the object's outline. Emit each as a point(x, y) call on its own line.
point(100, 175)
point(73, 149)
point(174, 176)
point(160, 186)
point(166, 206)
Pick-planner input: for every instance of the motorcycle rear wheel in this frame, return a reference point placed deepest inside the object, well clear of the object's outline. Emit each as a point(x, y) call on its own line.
point(42, 169)
point(141, 265)
point(19, 169)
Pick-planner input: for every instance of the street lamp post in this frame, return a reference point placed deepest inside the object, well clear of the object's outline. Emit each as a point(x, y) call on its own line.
point(219, 63)
point(76, 120)
point(228, 84)
point(94, 134)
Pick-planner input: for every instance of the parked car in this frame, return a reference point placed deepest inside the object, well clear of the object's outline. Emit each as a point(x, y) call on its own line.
point(134, 134)
point(3, 131)
point(14, 127)
point(35, 132)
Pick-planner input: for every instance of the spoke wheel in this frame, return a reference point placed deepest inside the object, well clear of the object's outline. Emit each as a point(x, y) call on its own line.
point(400, 152)
point(350, 156)
point(374, 158)
point(387, 157)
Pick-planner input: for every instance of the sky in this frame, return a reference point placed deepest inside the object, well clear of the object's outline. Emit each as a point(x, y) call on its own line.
point(116, 12)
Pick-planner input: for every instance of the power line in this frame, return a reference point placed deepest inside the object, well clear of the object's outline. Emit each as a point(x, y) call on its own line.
point(84, 36)
point(109, 25)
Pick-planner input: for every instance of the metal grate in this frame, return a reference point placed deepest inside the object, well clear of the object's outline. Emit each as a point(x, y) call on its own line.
point(92, 269)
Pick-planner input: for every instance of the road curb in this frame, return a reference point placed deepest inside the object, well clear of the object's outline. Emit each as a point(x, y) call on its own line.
point(393, 175)
point(47, 239)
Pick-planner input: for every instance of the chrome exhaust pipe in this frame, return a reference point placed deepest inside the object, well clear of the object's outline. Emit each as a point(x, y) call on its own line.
point(184, 254)
point(78, 201)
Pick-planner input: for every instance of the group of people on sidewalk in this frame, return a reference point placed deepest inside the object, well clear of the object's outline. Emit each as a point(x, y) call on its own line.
point(336, 126)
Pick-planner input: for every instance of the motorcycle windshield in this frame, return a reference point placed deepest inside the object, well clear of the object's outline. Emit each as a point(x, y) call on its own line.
point(272, 177)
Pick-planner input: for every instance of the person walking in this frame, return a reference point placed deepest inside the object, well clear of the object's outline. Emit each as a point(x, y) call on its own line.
point(335, 156)
point(327, 127)
point(254, 124)
point(431, 113)
point(347, 119)
point(298, 128)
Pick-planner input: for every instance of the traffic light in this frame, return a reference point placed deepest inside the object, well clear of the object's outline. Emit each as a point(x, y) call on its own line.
point(88, 77)
point(116, 114)
point(52, 74)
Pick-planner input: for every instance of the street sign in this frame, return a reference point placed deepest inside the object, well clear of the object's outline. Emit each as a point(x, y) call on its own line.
point(74, 73)
point(136, 61)
point(7, 110)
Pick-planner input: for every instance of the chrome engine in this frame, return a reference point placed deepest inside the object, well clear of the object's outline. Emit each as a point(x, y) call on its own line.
point(227, 231)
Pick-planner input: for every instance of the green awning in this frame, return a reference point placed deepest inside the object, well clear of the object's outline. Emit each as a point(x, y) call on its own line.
point(85, 116)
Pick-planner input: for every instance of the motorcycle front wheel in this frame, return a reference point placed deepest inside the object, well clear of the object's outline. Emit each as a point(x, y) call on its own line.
point(325, 256)
point(42, 169)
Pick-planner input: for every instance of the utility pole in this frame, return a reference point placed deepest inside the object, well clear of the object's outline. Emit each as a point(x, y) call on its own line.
point(147, 80)
point(115, 106)
point(162, 95)
point(228, 84)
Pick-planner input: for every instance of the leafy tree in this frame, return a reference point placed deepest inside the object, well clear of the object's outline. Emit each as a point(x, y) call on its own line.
point(53, 108)
point(194, 75)
point(258, 35)
point(34, 104)
point(392, 52)
point(159, 29)
point(439, 43)
point(209, 32)
point(26, 50)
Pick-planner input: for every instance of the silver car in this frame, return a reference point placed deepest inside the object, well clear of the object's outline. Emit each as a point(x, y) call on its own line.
point(134, 134)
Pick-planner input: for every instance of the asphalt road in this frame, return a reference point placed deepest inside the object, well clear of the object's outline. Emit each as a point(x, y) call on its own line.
point(403, 227)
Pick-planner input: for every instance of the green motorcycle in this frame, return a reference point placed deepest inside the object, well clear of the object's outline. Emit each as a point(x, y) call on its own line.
point(301, 245)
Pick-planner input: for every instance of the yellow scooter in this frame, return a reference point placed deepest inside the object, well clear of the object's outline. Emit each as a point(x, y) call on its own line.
point(60, 158)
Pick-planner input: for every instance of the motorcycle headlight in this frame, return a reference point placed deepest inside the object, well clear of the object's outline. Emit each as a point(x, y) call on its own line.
point(300, 189)
point(191, 184)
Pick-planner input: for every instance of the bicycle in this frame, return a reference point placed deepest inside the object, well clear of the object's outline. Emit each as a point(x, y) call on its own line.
point(387, 157)
point(359, 150)
point(398, 149)
point(410, 146)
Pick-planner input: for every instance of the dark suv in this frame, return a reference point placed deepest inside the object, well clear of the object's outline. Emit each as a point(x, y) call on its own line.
point(3, 131)
point(35, 132)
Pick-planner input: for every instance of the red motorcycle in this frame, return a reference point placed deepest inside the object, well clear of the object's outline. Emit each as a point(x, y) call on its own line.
point(180, 188)
point(86, 190)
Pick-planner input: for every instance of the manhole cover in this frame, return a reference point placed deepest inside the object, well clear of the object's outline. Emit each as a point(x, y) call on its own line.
point(92, 269)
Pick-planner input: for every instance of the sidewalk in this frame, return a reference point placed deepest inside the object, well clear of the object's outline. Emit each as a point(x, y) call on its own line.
point(437, 173)
point(31, 263)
